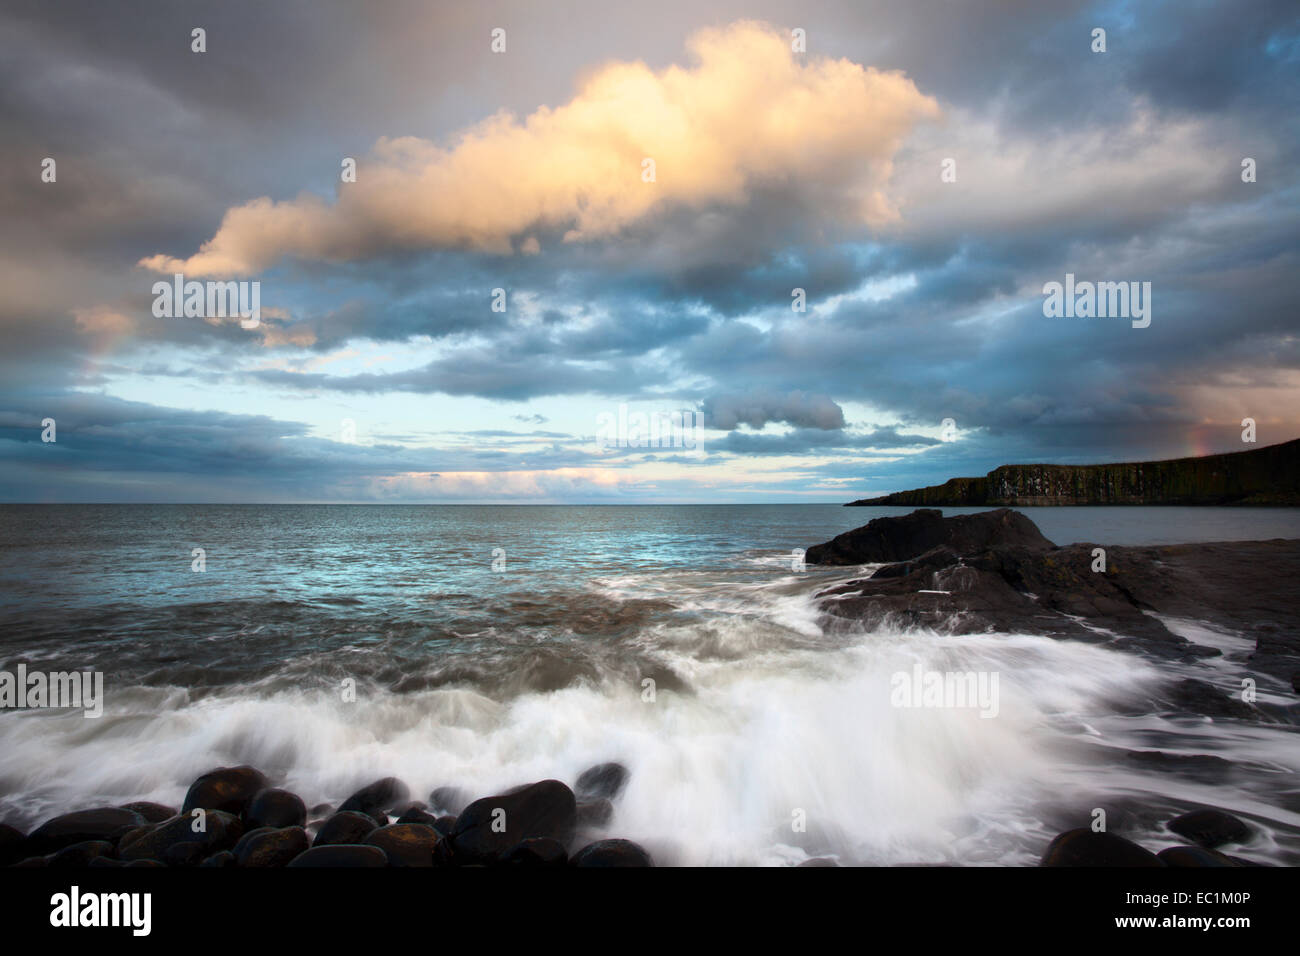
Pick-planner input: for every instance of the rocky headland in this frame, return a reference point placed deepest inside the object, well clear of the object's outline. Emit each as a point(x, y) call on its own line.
point(1262, 476)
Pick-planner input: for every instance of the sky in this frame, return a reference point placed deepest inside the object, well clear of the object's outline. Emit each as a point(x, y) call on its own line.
point(811, 238)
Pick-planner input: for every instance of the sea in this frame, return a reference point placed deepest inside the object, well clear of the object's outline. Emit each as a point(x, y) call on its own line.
point(482, 647)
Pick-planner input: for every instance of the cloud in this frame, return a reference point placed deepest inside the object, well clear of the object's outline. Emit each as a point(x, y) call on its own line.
point(757, 408)
point(749, 114)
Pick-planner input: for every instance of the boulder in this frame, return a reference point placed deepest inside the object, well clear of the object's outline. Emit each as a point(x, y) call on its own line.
point(80, 854)
point(152, 812)
point(276, 808)
point(1210, 828)
point(229, 789)
point(220, 831)
point(1083, 847)
point(450, 800)
point(545, 809)
point(890, 539)
point(346, 826)
point(377, 798)
point(612, 853)
point(408, 844)
point(223, 860)
point(13, 844)
point(595, 813)
point(186, 853)
point(271, 847)
point(414, 814)
point(341, 855)
point(603, 780)
point(538, 851)
point(79, 827)
point(1193, 856)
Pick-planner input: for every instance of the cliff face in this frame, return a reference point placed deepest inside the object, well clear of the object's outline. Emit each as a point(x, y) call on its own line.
point(1263, 476)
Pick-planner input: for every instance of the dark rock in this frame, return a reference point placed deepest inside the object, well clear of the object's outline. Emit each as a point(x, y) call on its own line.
point(1083, 847)
point(612, 853)
point(186, 853)
point(276, 808)
point(819, 861)
point(127, 834)
point(545, 809)
point(418, 815)
point(595, 813)
point(1210, 828)
point(1201, 697)
point(444, 825)
point(377, 798)
point(13, 844)
point(152, 812)
point(270, 847)
point(230, 789)
point(221, 831)
point(322, 810)
point(885, 540)
point(79, 827)
point(80, 854)
point(1193, 856)
point(341, 855)
point(146, 864)
point(102, 862)
point(31, 862)
point(408, 844)
point(538, 851)
point(450, 800)
point(603, 780)
point(223, 860)
point(346, 826)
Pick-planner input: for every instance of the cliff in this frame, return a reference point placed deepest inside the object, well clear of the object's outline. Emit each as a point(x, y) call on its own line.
point(1262, 476)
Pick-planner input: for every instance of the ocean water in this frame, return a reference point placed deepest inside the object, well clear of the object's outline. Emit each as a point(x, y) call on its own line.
point(492, 646)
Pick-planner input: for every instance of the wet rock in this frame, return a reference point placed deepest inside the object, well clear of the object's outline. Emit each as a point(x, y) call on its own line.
point(377, 798)
point(538, 851)
point(79, 827)
point(545, 809)
point(445, 825)
point(1201, 697)
point(341, 855)
point(346, 826)
point(595, 813)
point(152, 812)
point(271, 847)
point(104, 862)
point(322, 810)
point(408, 844)
point(1193, 856)
point(1210, 828)
point(1083, 847)
point(819, 861)
point(450, 800)
point(890, 539)
point(276, 808)
point(13, 844)
point(80, 854)
point(220, 831)
point(146, 864)
point(229, 789)
point(186, 853)
point(415, 814)
point(603, 780)
point(223, 860)
point(31, 862)
point(612, 853)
